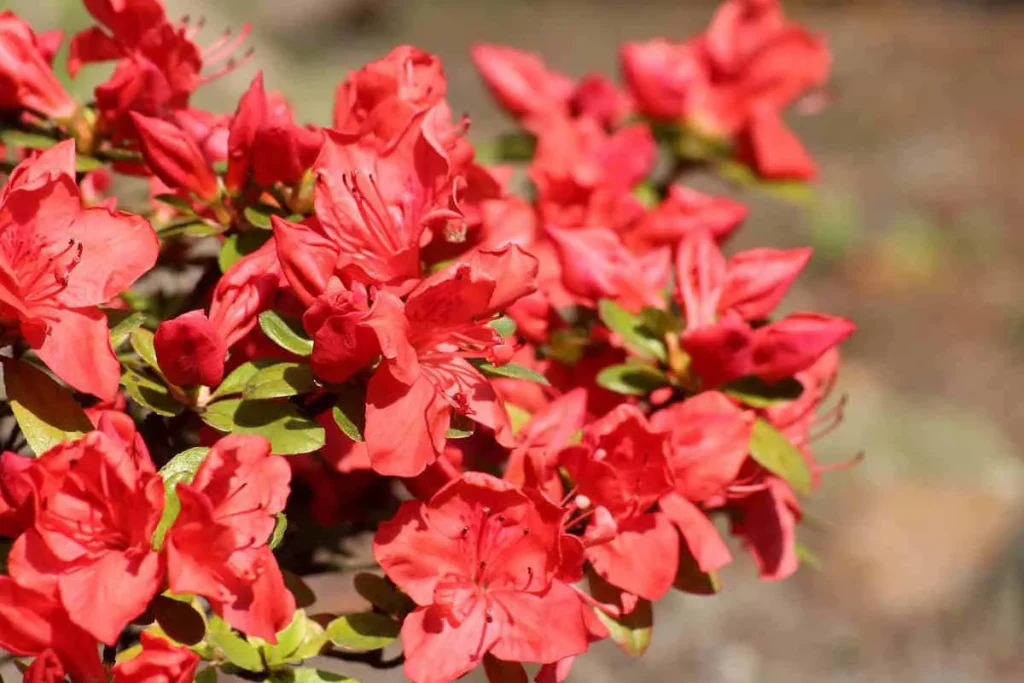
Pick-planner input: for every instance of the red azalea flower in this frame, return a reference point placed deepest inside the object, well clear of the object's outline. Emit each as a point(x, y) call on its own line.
point(388, 93)
point(173, 157)
point(33, 623)
point(244, 291)
point(26, 77)
point(59, 262)
point(682, 213)
point(720, 299)
point(425, 342)
point(91, 538)
point(46, 668)
point(266, 144)
point(487, 564)
point(766, 521)
point(217, 547)
point(159, 660)
point(190, 351)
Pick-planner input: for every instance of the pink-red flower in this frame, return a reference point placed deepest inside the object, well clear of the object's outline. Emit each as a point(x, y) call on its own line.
point(217, 547)
point(90, 542)
point(159, 660)
point(489, 565)
point(190, 350)
point(59, 262)
point(26, 77)
point(174, 158)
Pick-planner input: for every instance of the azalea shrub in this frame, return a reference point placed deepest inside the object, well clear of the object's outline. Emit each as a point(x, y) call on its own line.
point(533, 371)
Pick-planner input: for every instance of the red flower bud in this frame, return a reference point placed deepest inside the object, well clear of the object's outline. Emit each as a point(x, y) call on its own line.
point(175, 158)
point(26, 79)
point(190, 351)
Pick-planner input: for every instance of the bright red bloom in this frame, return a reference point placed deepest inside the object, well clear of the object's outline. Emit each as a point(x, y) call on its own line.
point(733, 80)
point(766, 521)
point(266, 144)
point(528, 89)
point(26, 78)
point(622, 467)
point(709, 438)
point(682, 213)
point(488, 565)
point(374, 205)
point(91, 539)
point(58, 262)
point(244, 291)
point(217, 547)
point(35, 624)
point(388, 93)
point(46, 668)
point(425, 375)
point(159, 66)
point(159, 660)
point(720, 299)
point(190, 351)
point(174, 158)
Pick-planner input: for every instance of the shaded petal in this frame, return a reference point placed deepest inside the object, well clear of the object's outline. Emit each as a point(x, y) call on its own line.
point(437, 651)
point(542, 628)
point(642, 559)
point(405, 424)
point(700, 535)
point(77, 349)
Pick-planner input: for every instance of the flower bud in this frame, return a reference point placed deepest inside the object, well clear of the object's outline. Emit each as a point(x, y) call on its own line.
point(190, 351)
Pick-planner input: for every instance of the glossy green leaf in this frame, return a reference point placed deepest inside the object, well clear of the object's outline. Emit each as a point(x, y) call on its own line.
point(207, 675)
point(85, 164)
point(303, 638)
point(238, 245)
point(635, 335)
point(631, 379)
point(142, 342)
point(234, 648)
point(363, 632)
point(289, 431)
point(757, 393)
point(349, 414)
point(631, 632)
point(235, 382)
point(176, 203)
point(179, 469)
point(461, 427)
point(379, 592)
point(505, 326)
point(150, 394)
point(179, 620)
point(777, 454)
point(509, 370)
point(280, 380)
point(308, 675)
point(286, 334)
point(191, 228)
point(20, 138)
point(46, 412)
point(120, 332)
point(280, 527)
point(259, 216)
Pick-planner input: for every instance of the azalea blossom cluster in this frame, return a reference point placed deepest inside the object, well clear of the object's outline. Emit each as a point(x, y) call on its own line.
point(528, 367)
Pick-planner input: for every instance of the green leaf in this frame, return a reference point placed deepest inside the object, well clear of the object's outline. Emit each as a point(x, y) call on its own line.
point(792, 191)
point(176, 203)
point(259, 216)
point(631, 632)
point(757, 393)
point(277, 535)
point(308, 675)
point(280, 380)
point(657, 322)
point(289, 431)
point(635, 336)
point(191, 228)
point(85, 164)
point(631, 379)
point(207, 675)
point(511, 370)
point(690, 578)
point(567, 346)
point(461, 427)
point(505, 326)
point(240, 376)
point(46, 412)
point(120, 332)
point(142, 342)
point(235, 648)
point(379, 592)
point(349, 414)
point(286, 334)
point(179, 620)
point(518, 417)
point(777, 454)
point(363, 632)
point(303, 638)
point(19, 138)
point(150, 394)
point(238, 245)
point(179, 469)
point(807, 556)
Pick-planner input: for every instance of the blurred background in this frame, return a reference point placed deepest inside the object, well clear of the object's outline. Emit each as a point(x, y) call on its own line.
point(917, 229)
